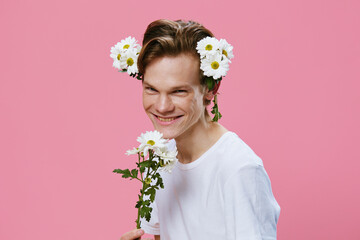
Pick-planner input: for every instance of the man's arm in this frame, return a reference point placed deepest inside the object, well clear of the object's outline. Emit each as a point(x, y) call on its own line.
point(250, 206)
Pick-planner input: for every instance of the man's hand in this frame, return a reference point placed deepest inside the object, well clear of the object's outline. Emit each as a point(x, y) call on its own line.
point(133, 234)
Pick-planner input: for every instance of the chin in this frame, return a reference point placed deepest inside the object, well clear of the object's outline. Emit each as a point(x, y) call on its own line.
point(166, 134)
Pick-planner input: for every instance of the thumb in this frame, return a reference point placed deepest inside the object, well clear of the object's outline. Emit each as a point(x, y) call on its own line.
point(137, 233)
point(134, 234)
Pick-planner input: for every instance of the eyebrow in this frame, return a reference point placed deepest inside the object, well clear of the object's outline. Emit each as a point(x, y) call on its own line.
point(173, 88)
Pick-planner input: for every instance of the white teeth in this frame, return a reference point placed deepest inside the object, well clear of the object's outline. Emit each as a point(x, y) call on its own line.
point(166, 119)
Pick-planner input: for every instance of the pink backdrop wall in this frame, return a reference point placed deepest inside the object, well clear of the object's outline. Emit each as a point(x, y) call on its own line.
point(67, 116)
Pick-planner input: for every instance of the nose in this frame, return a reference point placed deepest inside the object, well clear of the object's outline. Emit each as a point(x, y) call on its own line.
point(164, 104)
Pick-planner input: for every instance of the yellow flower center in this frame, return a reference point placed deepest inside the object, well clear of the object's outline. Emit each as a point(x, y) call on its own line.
point(126, 46)
point(118, 57)
point(147, 180)
point(208, 47)
point(215, 65)
point(151, 142)
point(224, 52)
point(130, 61)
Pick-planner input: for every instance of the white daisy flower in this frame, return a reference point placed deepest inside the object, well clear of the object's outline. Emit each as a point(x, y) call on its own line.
point(130, 60)
point(124, 54)
point(169, 158)
point(215, 66)
point(208, 45)
point(151, 140)
point(168, 167)
point(117, 55)
point(128, 43)
point(132, 151)
point(226, 49)
point(138, 49)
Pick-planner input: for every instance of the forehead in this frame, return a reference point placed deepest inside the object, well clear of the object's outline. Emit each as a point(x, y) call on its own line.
point(171, 71)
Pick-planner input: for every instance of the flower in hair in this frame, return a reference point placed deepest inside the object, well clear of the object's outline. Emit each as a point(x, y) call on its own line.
point(131, 61)
point(215, 57)
point(208, 46)
point(215, 65)
point(125, 54)
point(128, 43)
point(226, 49)
point(116, 55)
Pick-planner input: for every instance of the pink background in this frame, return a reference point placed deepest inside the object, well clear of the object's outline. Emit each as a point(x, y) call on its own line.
point(67, 116)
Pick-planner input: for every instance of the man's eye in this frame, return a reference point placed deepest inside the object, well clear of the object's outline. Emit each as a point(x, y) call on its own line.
point(150, 89)
point(180, 91)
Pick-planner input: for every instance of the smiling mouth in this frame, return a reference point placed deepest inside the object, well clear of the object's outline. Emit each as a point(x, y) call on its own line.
point(169, 119)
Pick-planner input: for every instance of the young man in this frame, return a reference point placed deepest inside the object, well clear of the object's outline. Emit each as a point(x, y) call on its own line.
point(219, 189)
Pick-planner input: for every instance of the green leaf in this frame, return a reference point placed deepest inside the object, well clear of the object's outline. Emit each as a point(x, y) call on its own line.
point(145, 163)
point(152, 192)
point(210, 83)
point(134, 173)
point(215, 111)
point(146, 212)
point(156, 175)
point(159, 182)
point(146, 202)
point(148, 215)
point(125, 173)
point(146, 186)
point(152, 196)
point(138, 204)
point(154, 165)
point(215, 118)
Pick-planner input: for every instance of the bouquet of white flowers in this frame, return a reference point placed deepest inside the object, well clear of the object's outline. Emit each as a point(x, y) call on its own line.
point(153, 155)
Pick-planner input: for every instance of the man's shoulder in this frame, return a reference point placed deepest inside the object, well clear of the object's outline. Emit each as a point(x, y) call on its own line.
point(234, 154)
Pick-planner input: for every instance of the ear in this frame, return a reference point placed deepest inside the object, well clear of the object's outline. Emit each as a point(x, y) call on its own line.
point(209, 95)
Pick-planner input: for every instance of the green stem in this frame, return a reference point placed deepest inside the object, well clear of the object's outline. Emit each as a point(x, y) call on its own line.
point(148, 172)
point(215, 110)
point(139, 167)
point(142, 194)
point(141, 198)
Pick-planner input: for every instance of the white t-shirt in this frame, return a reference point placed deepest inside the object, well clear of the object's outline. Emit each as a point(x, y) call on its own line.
point(225, 194)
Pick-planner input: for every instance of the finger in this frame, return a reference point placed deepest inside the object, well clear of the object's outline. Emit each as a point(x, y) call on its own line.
point(133, 234)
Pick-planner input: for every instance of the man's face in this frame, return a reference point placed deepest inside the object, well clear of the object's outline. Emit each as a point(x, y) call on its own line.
point(173, 97)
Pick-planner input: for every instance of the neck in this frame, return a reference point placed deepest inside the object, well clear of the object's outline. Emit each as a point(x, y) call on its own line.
point(195, 142)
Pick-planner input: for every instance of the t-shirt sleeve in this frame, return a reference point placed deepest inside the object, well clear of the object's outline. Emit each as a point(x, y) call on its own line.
point(153, 226)
point(251, 211)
